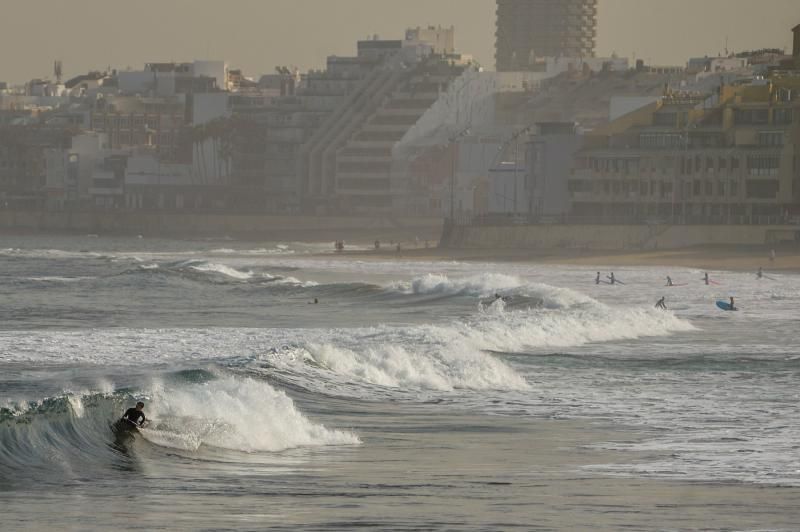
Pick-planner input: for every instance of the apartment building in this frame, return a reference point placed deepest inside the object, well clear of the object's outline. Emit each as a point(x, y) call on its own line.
point(530, 29)
point(729, 157)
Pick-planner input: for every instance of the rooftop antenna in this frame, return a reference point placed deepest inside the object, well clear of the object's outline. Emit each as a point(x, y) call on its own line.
point(57, 71)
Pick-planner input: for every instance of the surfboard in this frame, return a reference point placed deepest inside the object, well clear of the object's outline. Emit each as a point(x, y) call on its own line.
point(124, 429)
point(677, 284)
point(725, 305)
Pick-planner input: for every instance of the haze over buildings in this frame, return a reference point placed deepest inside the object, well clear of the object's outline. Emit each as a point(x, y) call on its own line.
point(256, 35)
point(409, 123)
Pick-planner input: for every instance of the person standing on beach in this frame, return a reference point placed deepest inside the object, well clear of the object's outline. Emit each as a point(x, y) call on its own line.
point(705, 278)
point(597, 280)
point(669, 281)
point(612, 279)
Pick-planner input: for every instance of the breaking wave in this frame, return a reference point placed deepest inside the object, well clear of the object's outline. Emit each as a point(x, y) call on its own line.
point(238, 414)
point(467, 353)
point(73, 432)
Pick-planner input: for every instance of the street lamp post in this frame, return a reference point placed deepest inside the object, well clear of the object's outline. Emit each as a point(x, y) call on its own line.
point(453, 160)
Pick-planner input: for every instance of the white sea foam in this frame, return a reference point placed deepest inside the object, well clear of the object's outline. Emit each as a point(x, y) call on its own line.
point(440, 284)
point(568, 327)
point(238, 414)
point(290, 281)
point(49, 253)
point(212, 267)
point(76, 403)
point(489, 284)
point(57, 279)
point(403, 367)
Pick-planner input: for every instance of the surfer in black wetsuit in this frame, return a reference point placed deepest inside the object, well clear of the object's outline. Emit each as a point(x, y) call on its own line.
point(661, 304)
point(669, 281)
point(134, 415)
point(733, 306)
point(760, 273)
point(612, 279)
point(705, 278)
point(597, 280)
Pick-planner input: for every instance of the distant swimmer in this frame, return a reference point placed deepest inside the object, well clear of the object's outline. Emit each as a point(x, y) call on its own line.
point(315, 302)
point(612, 279)
point(597, 280)
point(760, 274)
point(669, 282)
point(705, 279)
point(135, 415)
point(661, 304)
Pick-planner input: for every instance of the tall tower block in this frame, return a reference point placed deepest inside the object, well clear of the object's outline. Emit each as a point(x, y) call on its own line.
point(543, 28)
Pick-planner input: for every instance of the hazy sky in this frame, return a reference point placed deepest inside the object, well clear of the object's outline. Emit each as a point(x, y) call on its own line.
point(257, 35)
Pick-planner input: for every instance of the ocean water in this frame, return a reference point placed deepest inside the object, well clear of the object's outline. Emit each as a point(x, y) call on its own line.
point(408, 398)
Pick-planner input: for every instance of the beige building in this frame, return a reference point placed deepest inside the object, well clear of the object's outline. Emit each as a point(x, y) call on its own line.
point(730, 157)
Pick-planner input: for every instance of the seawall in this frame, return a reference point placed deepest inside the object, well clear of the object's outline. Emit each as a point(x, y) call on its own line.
point(616, 237)
point(248, 226)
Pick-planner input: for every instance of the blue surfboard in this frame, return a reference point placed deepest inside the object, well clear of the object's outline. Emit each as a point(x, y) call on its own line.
point(724, 305)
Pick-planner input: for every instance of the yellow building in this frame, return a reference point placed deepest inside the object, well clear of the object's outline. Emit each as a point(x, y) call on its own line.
point(728, 157)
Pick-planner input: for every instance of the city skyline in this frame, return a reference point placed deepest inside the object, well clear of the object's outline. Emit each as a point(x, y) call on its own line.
point(256, 36)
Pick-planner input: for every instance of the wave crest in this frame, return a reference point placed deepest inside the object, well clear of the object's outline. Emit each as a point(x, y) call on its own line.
point(237, 414)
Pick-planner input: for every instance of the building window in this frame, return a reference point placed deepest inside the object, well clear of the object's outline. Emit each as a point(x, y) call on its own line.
point(734, 163)
point(782, 116)
point(660, 140)
point(734, 188)
point(770, 138)
point(723, 163)
point(665, 119)
point(763, 165)
point(751, 116)
point(709, 188)
point(762, 188)
point(696, 188)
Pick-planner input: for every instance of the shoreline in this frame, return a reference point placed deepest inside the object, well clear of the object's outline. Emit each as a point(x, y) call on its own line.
point(713, 258)
point(413, 242)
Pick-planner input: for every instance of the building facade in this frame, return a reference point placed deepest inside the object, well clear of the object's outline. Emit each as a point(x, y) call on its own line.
point(530, 29)
point(730, 157)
